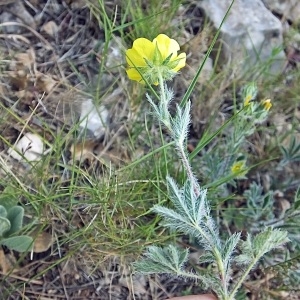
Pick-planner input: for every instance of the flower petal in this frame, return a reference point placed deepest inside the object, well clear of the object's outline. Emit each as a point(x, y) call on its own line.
point(141, 49)
point(166, 46)
point(133, 74)
point(133, 58)
point(181, 58)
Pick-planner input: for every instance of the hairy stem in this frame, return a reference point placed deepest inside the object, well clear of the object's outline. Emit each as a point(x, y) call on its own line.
point(166, 120)
point(188, 168)
point(166, 114)
point(222, 271)
point(242, 279)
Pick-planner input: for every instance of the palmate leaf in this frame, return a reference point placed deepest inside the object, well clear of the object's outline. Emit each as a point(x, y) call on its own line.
point(168, 260)
point(291, 153)
point(253, 248)
point(269, 239)
point(190, 206)
point(229, 248)
point(191, 214)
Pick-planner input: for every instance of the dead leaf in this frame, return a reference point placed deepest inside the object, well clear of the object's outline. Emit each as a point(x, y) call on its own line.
point(19, 79)
point(42, 242)
point(25, 95)
point(50, 28)
point(27, 59)
point(45, 83)
point(83, 150)
point(285, 205)
point(7, 262)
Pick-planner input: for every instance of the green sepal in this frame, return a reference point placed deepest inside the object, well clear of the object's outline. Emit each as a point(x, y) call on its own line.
point(167, 61)
point(157, 57)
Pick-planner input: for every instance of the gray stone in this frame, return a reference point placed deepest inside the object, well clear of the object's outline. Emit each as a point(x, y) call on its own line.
point(250, 37)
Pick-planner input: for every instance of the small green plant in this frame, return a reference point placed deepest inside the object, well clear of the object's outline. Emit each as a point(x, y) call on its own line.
point(154, 63)
point(227, 158)
point(291, 153)
point(11, 222)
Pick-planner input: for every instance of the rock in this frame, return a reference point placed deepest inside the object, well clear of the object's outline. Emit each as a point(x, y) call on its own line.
point(289, 9)
point(114, 54)
point(93, 118)
point(250, 37)
point(30, 147)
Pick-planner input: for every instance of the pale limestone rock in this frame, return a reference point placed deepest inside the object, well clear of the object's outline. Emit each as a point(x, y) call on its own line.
point(93, 118)
point(251, 36)
point(30, 147)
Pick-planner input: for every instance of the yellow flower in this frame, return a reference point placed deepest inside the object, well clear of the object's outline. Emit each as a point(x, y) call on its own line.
point(249, 93)
point(238, 167)
point(266, 104)
point(247, 100)
point(148, 61)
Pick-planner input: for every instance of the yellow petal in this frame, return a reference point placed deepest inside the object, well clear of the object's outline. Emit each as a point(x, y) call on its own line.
point(133, 74)
point(133, 58)
point(141, 49)
point(247, 100)
point(267, 104)
point(166, 46)
point(181, 58)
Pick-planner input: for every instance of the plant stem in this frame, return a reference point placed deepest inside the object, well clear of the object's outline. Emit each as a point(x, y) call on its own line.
point(219, 261)
point(165, 102)
point(222, 271)
point(188, 168)
point(180, 147)
point(242, 279)
point(166, 120)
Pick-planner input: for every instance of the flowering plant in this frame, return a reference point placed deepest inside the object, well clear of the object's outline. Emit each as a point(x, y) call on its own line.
point(156, 62)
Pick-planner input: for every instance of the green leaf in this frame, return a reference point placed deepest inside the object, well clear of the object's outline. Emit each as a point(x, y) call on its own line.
point(7, 198)
point(297, 199)
point(268, 240)
point(15, 216)
point(4, 225)
point(3, 212)
point(168, 260)
point(20, 243)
